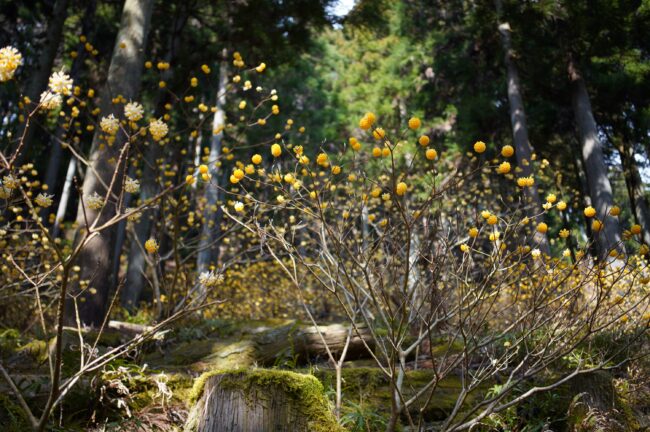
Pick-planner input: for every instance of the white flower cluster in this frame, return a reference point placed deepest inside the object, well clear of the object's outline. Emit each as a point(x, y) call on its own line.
point(109, 124)
point(50, 101)
point(5, 192)
point(95, 201)
point(133, 216)
point(131, 185)
point(133, 111)
point(158, 129)
point(10, 59)
point(43, 200)
point(61, 83)
point(210, 279)
point(10, 182)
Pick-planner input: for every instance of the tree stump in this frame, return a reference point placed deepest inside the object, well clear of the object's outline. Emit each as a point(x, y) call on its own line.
point(259, 400)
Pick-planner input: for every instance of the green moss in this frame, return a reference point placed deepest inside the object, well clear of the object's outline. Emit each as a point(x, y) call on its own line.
point(195, 329)
point(36, 349)
point(181, 386)
point(442, 347)
point(372, 387)
point(12, 418)
point(305, 390)
point(207, 354)
point(9, 340)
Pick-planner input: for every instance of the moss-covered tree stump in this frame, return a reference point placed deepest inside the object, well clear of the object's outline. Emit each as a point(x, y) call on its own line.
point(259, 400)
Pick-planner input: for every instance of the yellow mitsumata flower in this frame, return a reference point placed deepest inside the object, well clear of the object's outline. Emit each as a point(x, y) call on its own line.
point(479, 147)
point(507, 151)
point(151, 246)
point(414, 123)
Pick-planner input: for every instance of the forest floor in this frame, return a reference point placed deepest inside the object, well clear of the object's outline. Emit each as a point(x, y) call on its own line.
point(154, 388)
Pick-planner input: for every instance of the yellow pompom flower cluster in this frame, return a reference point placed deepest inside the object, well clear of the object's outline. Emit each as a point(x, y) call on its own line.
point(401, 188)
point(507, 151)
point(431, 154)
point(205, 172)
point(479, 147)
point(504, 168)
point(525, 181)
point(151, 246)
point(596, 225)
point(322, 160)
point(367, 121)
point(237, 60)
point(414, 123)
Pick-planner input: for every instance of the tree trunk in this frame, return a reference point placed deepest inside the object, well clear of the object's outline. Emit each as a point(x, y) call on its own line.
point(56, 152)
point(638, 202)
point(65, 196)
point(579, 169)
point(46, 57)
point(260, 400)
point(523, 149)
point(600, 190)
point(210, 231)
point(123, 78)
point(150, 187)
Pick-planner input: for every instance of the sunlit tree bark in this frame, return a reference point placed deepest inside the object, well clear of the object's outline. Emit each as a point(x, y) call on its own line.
point(123, 78)
point(600, 189)
point(208, 246)
point(523, 149)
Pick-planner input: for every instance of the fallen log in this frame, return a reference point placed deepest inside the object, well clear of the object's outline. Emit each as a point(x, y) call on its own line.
point(267, 347)
point(309, 342)
point(129, 329)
